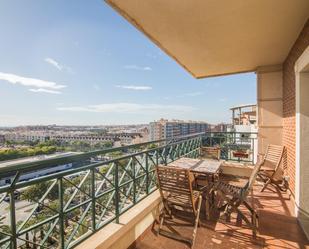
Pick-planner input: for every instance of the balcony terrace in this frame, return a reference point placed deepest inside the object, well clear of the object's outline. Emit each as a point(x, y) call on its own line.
point(116, 199)
point(61, 208)
point(270, 38)
point(109, 199)
point(278, 228)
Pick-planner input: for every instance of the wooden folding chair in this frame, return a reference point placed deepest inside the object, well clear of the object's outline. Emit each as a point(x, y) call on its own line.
point(234, 196)
point(211, 152)
point(270, 165)
point(176, 190)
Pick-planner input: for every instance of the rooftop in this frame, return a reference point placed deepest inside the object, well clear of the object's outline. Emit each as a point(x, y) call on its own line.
point(35, 158)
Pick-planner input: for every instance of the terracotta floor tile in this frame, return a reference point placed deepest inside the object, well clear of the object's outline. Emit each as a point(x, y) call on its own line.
point(277, 228)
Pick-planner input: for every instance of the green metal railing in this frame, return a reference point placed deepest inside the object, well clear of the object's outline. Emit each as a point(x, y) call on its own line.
point(60, 210)
point(234, 146)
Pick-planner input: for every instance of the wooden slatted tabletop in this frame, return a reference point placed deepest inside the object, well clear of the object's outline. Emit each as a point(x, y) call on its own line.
point(204, 166)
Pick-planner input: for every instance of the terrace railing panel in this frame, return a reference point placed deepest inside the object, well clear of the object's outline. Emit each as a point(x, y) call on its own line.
point(61, 209)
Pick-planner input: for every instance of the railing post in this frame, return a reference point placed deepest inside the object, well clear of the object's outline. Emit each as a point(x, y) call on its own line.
point(134, 180)
point(12, 211)
point(147, 173)
point(157, 157)
point(61, 216)
point(93, 213)
point(116, 192)
point(178, 151)
point(13, 219)
point(253, 152)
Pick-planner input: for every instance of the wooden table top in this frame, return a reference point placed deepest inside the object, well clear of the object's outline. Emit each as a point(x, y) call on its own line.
point(205, 166)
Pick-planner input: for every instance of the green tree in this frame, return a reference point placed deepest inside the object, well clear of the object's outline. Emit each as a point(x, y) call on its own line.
point(152, 146)
point(35, 192)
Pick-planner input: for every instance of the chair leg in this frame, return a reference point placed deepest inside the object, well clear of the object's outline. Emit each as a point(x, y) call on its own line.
point(243, 217)
point(227, 214)
point(207, 208)
point(266, 184)
point(254, 224)
point(197, 218)
point(238, 220)
point(161, 222)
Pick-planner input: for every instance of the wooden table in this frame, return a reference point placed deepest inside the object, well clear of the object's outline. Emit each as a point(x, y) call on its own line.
point(202, 166)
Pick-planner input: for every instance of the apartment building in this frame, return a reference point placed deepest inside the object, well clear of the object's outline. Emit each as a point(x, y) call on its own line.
point(244, 114)
point(244, 118)
point(221, 127)
point(166, 129)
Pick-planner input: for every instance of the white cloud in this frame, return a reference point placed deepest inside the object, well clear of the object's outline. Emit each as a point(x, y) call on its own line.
point(129, 108)
point(134, 87)
point(54, 63)
point(30, 82)
point(58, 65)
point(135, 67)
point(42, 90)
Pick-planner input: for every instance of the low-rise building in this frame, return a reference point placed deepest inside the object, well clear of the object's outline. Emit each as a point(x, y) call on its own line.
point(2, 139)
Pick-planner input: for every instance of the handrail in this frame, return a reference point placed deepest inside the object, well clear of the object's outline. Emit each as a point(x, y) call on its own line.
point(85, 167)
point(39, 164)
point(132, 173)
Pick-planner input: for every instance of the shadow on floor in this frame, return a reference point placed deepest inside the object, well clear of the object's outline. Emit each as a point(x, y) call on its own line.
point(277, 228)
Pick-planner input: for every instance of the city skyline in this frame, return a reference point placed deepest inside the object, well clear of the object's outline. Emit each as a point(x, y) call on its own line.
point(82, 64)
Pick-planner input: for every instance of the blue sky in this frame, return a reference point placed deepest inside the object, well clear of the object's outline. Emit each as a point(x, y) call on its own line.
point(78, 62)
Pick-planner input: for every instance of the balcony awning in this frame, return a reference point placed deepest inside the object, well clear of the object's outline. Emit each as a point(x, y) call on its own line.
point(218, 37)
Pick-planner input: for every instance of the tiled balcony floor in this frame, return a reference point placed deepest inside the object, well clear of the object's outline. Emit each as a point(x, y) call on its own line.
point(277, 228)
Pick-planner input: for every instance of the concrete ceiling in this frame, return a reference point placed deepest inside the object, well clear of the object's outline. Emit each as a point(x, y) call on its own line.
point(218, 37)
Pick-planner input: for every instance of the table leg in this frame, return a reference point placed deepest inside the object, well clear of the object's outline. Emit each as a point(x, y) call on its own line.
point(213, 193)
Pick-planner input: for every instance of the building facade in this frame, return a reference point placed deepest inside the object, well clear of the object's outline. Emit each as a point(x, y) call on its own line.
point(2, 139)
point(167, 129)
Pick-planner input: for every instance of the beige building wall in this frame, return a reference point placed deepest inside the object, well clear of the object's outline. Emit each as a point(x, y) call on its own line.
point(302, 150)
point(132, 224)
point(269, 102)
point(302, 141)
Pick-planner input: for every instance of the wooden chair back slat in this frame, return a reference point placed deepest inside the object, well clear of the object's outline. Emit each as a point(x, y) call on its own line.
point(211, 152)
point(273, 156)
point(175, 185)
point(271, 164)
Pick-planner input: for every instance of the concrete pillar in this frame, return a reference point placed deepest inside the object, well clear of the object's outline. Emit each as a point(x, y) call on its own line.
point(270, 108)
point(302, 141)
